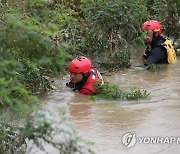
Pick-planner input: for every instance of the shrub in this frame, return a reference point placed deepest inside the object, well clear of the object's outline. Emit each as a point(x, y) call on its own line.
point(45, 128)
point(107, 91)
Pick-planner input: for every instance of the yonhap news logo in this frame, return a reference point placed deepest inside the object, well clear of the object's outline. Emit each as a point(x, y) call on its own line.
point(130, 139)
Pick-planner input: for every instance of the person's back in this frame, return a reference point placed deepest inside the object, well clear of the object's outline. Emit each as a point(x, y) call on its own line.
point(157, 54)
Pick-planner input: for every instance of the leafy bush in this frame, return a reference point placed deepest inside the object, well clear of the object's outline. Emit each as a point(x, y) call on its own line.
point(36, 79)
point(107, 91)
point(153, 67)
point(167, 12)
point(109, 27)
point(32, 50)
point(31, 35)
point(116, 22)
point(45, 128)
point(54, 129)
point(10, 140)
point(13, 94)
point(119, 59)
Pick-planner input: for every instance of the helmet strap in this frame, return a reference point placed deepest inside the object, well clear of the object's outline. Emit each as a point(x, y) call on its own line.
point(86, 75)
point(155, 34)
point(155, 37)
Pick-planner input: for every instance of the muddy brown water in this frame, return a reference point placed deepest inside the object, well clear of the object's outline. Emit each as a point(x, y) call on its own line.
point(105, 122)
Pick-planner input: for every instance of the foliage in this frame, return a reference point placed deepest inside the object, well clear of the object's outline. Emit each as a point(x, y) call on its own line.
point(32, 50)
point(111, 28)
point(11, 142)
point(34, 78)
point(115, 24)
point(153, 67)
point(73, 4)
point(25, 41)
point(167, 12)
point(42, 129)
point(12, 93)
point(107, 91)
point(31, 35)
point(119, 59)
point(56, 130)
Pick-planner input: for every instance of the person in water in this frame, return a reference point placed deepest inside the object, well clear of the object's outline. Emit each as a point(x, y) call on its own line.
point(159, 49)
point(83, 77)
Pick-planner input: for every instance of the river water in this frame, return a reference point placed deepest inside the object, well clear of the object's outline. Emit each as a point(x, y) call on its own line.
point(105, 122)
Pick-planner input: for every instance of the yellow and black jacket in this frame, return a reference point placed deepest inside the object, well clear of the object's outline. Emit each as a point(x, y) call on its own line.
point(160, 51)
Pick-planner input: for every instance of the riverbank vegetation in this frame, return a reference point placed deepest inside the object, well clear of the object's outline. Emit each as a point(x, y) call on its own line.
point(39, 38)
point(114, 92)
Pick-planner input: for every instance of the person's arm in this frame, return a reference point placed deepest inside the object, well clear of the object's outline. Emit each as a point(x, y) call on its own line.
point(86, 91)
point(155, 57)
point(146, 54)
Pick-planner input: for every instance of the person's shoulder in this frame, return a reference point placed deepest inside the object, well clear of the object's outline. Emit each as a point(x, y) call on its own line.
point(94, 75)
point(160, 40)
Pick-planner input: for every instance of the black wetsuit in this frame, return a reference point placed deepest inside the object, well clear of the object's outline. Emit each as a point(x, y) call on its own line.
point(156, 53)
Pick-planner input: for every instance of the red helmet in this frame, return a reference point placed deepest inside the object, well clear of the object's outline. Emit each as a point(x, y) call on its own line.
point(153, 25)
point(80, 65)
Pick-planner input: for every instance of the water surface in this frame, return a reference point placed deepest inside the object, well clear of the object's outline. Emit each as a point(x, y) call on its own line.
point(105, 122)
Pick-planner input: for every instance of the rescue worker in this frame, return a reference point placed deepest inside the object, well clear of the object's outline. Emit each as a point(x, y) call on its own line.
point(159, 49)
point(83, 77)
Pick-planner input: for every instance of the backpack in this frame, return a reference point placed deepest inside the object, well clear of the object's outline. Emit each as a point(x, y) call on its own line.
point(171, 54)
